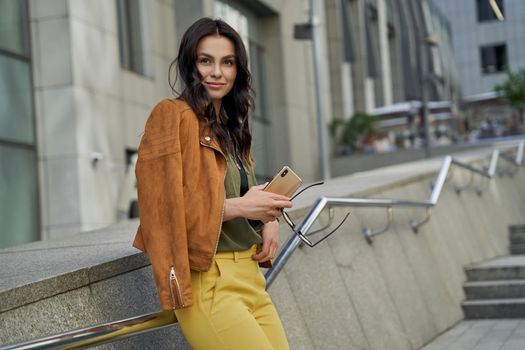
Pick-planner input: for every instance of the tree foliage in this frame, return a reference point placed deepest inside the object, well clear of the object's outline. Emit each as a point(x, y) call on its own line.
point(513, 89)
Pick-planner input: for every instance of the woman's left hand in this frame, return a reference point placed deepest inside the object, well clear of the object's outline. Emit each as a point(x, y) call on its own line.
point(270, 237)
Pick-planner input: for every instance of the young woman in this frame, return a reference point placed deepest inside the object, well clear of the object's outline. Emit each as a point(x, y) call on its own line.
point(204, 222)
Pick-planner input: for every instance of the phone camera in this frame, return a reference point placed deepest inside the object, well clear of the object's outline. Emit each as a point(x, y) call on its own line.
point(283, 174)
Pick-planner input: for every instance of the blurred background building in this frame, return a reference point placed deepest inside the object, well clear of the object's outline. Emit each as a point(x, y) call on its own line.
point(78, 79)
point(485, 47)
point(487, 43)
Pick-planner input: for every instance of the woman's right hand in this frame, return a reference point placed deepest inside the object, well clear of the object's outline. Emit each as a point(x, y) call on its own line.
point(256, 204)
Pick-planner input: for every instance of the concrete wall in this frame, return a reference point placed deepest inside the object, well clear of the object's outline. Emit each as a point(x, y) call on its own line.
point(404, 289)
point(398, 293)
point(85, 102)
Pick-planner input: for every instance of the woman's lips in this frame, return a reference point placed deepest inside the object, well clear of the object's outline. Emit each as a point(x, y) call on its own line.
point(215, 85)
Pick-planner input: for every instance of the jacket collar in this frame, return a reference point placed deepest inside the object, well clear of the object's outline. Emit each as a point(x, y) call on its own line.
point(207, 139)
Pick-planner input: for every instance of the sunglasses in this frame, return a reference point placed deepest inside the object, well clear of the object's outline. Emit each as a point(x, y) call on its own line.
point(320, 232)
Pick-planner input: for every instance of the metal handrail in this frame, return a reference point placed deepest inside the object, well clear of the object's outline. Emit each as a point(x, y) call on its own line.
point(323, 202)
point(117, 330)
point(99, 334)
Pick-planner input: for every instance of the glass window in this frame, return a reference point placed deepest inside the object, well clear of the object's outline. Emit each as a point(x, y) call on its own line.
point(261, 134)
point(348, 40)
point(486, 12)
point(493, 58)
point(260, 122)
point(18, 196)
point(14, 27)
point(130, 35)
point(258, 80)
point(234, 18)
point(16, 115)
point(372, 42)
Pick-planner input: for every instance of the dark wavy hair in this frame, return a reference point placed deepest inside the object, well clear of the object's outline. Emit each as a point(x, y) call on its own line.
point(237, 103)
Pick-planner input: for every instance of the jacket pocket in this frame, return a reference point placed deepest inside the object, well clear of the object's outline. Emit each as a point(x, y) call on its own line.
point(208, 286)
point(176, 296)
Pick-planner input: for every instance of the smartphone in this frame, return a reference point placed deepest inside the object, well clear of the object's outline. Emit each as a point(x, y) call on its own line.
point(285, 182)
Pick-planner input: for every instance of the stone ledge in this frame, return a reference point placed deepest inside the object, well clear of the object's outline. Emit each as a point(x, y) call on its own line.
point(39, 270)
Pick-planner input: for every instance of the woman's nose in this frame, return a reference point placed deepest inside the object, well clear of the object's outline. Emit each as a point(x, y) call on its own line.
point(216, 72)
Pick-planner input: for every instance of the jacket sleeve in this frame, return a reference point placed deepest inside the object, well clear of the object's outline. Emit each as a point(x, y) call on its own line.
point(161, 206)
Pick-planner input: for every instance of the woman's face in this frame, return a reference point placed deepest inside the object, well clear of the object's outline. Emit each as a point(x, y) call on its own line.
point(216, 65)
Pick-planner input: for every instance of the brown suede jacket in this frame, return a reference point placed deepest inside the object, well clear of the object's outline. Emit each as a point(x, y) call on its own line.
point(180, 181)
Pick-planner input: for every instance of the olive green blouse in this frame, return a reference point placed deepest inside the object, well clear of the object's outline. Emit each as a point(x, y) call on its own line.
point(237, 234)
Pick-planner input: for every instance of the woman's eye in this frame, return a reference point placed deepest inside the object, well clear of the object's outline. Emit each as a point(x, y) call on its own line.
point(204, 60)
point(229, 62)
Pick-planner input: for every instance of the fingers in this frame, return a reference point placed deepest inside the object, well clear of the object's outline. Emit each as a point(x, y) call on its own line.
point(269, 249)
point(271, 215)
point(260, 187)
point(274, 196)
point(282, 204)
point(264, 206)
point(263, 256)
point(278, 197)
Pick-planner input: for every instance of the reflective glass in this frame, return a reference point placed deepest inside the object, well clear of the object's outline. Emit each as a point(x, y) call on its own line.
point(493, 58)
point(16, 116)
point(130, 35)
point(18, 196)
point(234, 18)
point(14, 26)
point(486, 12)
point(260, 149)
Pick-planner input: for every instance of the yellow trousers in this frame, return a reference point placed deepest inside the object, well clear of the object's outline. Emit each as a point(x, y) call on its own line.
point(231, 308)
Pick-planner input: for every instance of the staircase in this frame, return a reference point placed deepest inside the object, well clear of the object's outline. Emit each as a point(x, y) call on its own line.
point(496, 288)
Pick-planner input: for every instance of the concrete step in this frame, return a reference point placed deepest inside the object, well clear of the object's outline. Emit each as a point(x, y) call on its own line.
point(517, 234)
point(494, 289)
point(496, 273)
point(502, 268)
point(494, 308)
point(517, 238)
point(517, 229)
point(517, 249)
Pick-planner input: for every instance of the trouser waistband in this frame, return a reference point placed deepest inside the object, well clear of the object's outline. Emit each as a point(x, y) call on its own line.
point(236, 255)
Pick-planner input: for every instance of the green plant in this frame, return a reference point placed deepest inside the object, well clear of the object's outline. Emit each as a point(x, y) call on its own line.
point(513, 89)
point(351, 132)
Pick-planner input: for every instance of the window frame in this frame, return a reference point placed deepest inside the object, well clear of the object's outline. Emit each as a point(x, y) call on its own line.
point(132, 36)
point(26, 58)
point(484, 68)
point(485, 13)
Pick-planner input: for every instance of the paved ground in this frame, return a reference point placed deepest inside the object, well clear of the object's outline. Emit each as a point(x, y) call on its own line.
point(507, 334)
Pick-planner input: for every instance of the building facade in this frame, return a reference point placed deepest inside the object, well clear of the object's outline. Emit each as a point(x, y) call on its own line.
point(380, 50)
point(484, 47)
point(95, 69)
point(87, 73)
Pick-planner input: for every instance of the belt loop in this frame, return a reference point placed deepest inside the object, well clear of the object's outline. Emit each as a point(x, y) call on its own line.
point(236, 256)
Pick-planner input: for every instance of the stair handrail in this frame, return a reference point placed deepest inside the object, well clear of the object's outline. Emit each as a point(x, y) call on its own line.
point(323, 202)
point(117, 330)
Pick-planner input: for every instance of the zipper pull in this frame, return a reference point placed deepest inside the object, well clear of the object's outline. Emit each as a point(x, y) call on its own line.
point(172, 274)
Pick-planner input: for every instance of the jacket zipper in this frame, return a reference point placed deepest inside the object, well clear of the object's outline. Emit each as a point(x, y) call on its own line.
point(173, 277)
point(223, 203)
point(222, 218)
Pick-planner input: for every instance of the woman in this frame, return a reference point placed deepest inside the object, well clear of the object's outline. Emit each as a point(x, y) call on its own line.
point(204, 222)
